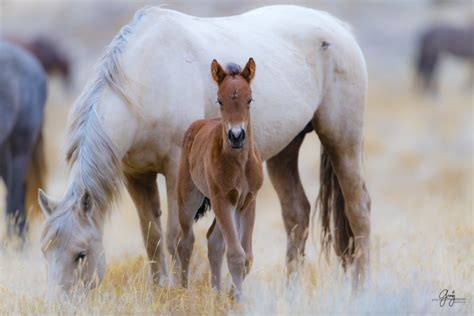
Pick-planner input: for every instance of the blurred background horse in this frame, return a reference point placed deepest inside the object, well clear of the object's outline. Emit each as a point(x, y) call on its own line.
point(51, 56)
point(438, 41)
point(22, 100)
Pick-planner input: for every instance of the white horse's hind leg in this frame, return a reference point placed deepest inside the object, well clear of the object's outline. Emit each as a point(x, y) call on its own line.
point(339, 125)
point(144, 192)
point(284, 175)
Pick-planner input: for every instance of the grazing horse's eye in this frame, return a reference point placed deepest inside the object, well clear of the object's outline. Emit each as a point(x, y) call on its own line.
point(249, 101)
point(80, 257)
point(220, 102)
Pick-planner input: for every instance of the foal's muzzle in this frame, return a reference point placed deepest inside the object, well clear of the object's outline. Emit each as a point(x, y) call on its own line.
point(236, 136)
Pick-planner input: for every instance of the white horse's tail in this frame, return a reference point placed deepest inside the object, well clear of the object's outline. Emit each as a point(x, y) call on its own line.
point(331, 204)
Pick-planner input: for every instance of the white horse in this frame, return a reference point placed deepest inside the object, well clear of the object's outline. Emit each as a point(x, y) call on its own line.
point(153, 82)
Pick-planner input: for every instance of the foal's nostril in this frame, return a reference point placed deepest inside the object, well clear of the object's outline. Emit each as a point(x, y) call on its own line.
point(236, 137)
point(236, 134)
point(242, 135)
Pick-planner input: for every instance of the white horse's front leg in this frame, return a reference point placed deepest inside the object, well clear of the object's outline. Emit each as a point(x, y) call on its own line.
point(173, 228)
point(144, 191)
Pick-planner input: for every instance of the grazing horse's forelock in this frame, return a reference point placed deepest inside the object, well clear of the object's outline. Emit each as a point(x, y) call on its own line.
point(61, 225)
point(90, 153)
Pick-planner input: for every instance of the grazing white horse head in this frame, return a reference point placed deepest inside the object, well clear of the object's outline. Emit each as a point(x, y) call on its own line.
point(72, 243)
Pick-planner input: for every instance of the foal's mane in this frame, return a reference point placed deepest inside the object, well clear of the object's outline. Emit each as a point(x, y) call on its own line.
point(90, 153)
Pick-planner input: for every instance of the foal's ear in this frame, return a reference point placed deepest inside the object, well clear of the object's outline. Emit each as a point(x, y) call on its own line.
point(47, 204)
point(218, 73)
point(249, 70)
point(86, 203)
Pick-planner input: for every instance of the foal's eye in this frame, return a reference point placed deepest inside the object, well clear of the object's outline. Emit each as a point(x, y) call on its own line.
point(249, 101)
point(220, 102)
point(80, 257)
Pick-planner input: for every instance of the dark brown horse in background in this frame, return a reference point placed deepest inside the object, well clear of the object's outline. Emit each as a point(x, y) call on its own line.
point(438, 41)
point(51, 56)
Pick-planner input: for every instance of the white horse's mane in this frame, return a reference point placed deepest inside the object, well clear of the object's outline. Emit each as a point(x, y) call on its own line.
point(91, 156)
point(90, 153)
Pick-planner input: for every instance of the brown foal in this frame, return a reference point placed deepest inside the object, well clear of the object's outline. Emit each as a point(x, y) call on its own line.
point(221, 163)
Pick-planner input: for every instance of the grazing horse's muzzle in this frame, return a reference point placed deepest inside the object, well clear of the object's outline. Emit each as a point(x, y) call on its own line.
point(236, 136)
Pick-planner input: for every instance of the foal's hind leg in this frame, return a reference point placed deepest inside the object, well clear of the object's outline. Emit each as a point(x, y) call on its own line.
point(339, 125)
point(284, 175)
point(189, 201)
point(144, 192)
point(216, 249)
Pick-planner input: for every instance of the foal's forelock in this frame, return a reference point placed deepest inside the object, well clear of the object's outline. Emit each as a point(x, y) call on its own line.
point(233, 69)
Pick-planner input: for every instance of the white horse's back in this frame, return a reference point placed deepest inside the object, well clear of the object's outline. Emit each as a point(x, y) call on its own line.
point(168, 60)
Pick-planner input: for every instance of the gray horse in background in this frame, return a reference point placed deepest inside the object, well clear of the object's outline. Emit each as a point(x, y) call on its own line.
point(23, 90)
point(438, 41)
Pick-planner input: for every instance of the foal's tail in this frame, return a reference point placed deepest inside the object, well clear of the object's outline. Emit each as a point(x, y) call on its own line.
point(205, 207)
point(35, 178)
point(331, 203)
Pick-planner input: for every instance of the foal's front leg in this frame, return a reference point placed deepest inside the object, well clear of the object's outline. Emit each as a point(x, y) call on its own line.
point(235, 252)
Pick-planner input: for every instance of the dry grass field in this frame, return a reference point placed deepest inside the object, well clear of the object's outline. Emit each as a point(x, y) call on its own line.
point(419, 170)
